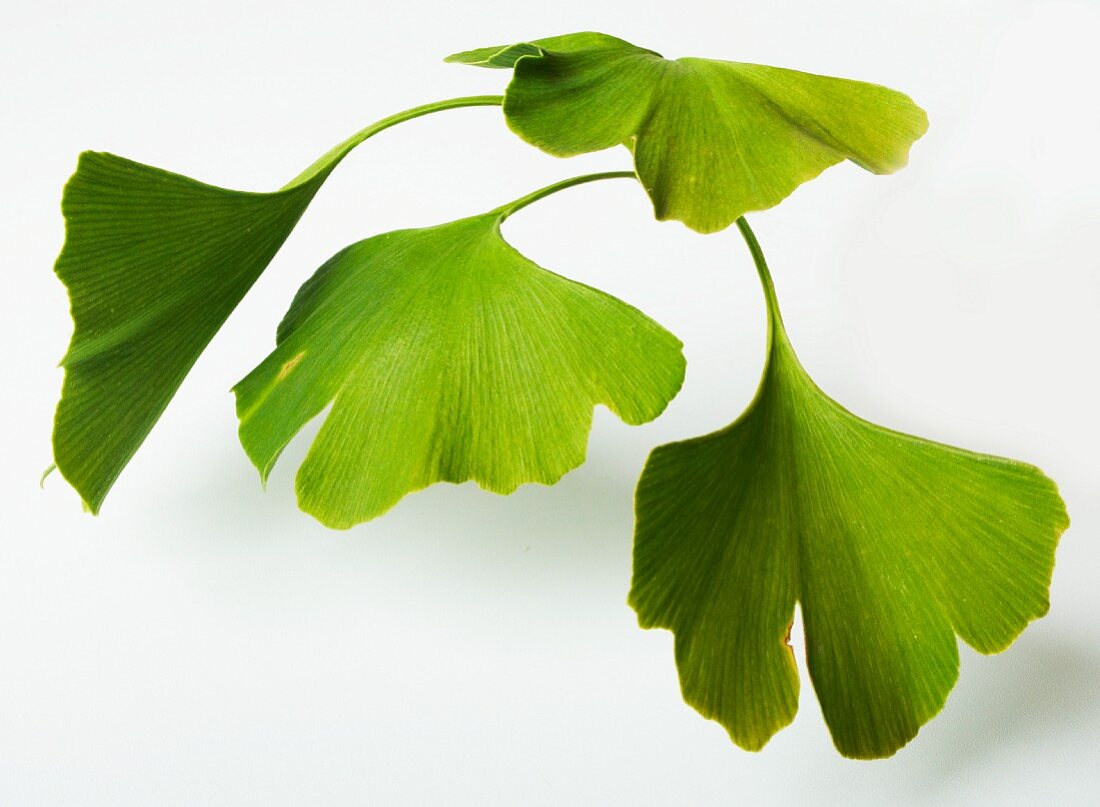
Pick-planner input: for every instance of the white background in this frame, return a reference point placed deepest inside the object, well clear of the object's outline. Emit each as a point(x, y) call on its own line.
point(203, 643)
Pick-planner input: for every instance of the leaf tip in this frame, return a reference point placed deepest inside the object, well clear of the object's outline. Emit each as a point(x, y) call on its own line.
point(45, 474)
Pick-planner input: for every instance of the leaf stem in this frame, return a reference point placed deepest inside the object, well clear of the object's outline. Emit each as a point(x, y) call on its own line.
point(330, 158)
point(775, 318)
point(510, 208)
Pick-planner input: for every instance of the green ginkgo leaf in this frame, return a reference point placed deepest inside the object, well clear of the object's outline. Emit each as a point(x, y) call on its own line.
point(891, 544)
point(446, 356)
point(712, 139)
point(154, 263)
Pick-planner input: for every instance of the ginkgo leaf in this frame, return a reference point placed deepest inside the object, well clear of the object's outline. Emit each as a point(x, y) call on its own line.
point(447, 356)
point(154, 263)
point(712, 139)
point(891, 544)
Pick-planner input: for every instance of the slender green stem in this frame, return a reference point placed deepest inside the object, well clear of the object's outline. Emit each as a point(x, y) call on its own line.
point(761, 269)
point(510, 208)
point(775, 318)
point(330, 158)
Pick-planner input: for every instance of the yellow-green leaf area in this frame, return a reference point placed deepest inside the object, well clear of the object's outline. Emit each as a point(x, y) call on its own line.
point(712, 139)
point(446, 356)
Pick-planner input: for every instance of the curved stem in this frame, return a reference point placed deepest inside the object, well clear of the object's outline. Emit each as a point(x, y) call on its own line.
point(330, 158)
point(761, 270)
point(510, 208)
point(775, 318)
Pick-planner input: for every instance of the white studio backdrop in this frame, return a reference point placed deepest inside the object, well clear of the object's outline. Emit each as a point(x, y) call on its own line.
point(202, 642)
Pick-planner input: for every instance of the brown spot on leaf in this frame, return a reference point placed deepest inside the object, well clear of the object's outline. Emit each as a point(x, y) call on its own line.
point(289, 366)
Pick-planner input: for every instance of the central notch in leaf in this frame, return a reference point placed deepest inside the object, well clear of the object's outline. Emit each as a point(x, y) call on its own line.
point(447, 356)
point(892, 544)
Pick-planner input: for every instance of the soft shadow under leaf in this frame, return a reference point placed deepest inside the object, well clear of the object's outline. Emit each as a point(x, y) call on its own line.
point(447, 356)
point(712, 139)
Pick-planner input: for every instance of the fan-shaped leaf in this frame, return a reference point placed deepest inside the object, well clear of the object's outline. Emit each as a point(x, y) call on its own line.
point(447, 356)
point(712, 139)
point(154, 263)
point(891, 544)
